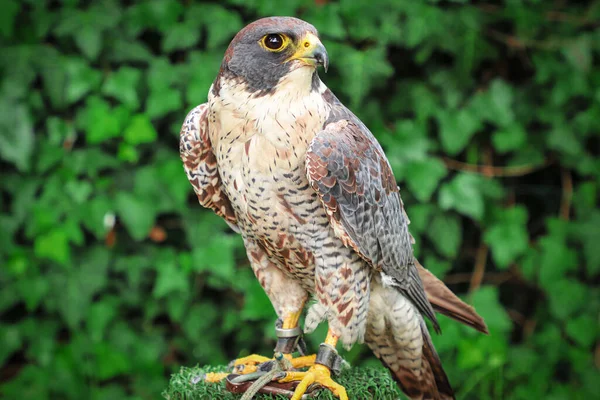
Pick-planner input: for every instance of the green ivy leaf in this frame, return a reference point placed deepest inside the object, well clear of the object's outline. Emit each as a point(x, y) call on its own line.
point(123, 50)
point(93, 213)
point(79, 191)
point(583, 329)
point(420, 215)
point(457, 127)
point(81, 79)
point(99, 316)
point(567, 297)
point(464, 195)
point(408, 143)
point(140, 130)
point(162, 101)
point(423, 177)
point(11, 341)
point(587, 230)
point(508, 237)
point(437, 266)
point(579, 53)
point(181, 36)
point(162, 14)
point(128, 153)
point(110, 362)
point(256, 303)
point(361, 69)
point(200, 79)
point(171, 277)
point(220, 23)
point(327, 17)
point(445, 233)
point(486, 302)
point(101, 122)
point(16, 134)
point(557, 258)
point(563, 139)
point(176, 184)
point(495, 104)
point(87, 27)
point(137, 214)
point(54, 245)
point(33, 290)
point(417, 31)
point(122, 85)
point(8, 11)
point(216, 256)
point(510, 138)
point(89, 41)
point(200, 318)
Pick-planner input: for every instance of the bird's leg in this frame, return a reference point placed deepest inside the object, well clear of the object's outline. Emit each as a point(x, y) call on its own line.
point(288, 337)
point(320, 372)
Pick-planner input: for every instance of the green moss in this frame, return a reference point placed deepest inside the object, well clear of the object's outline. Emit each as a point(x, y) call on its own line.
point(360, 383)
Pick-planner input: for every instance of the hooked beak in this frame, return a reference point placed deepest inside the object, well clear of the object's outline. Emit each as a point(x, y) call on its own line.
point(312, 52)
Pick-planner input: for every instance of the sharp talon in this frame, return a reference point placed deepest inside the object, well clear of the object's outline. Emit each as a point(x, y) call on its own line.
point(214, 377)
point(254, 359)
point(253, 363)
point(245, 369)
point(318, 375)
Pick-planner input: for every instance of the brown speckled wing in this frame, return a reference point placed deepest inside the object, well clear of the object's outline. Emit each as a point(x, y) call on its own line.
point(200, 164)
point(347, 168)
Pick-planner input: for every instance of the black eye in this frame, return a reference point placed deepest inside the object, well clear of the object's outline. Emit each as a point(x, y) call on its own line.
point(273, 41)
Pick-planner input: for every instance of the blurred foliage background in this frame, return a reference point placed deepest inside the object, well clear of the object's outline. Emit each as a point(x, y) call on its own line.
point(112, 276)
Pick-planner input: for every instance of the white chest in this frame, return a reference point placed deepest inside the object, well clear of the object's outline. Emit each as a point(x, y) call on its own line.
point(259, 132)
point(260, 143)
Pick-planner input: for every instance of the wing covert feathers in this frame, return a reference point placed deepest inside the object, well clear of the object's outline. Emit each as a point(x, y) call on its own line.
point(347, 168)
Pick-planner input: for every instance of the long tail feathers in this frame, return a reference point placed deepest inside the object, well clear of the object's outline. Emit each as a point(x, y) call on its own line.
point(435, 366)
point(445, 302)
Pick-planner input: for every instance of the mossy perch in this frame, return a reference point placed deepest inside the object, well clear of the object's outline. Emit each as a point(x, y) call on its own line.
point(360, 383)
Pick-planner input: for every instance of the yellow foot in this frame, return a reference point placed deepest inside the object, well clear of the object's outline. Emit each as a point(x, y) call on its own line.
point(302, 361)
point(214, 377)
point(318, 374)
point(249, 364)
point(242, 366)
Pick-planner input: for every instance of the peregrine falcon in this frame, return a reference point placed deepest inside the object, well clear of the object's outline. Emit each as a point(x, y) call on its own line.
point(312, 194)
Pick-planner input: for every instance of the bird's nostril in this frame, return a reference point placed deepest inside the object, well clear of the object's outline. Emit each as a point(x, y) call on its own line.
point(307, 44)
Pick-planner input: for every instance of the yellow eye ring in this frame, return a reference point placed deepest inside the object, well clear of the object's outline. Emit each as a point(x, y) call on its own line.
point(274, 42)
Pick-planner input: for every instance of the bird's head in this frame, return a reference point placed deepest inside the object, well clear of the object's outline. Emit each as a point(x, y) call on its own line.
point(270, 49)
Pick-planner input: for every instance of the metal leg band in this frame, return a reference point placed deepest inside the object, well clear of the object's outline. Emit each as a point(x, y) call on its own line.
point(288, 333)
point(329, 357)
point(289, 340)
point(287, 345)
